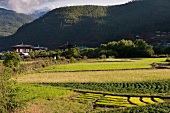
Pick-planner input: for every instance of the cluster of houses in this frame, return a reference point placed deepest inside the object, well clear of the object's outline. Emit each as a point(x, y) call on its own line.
point(161, 39)
point(23, 49)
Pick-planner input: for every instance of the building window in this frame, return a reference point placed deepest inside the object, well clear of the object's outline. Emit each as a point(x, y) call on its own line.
point(17, 50)
point(22, 50)
point(27, 50)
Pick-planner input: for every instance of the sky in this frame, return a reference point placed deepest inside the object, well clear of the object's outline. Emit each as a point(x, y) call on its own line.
point(30, 6)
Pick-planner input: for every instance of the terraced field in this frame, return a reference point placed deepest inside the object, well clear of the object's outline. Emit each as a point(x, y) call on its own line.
point(102, 100)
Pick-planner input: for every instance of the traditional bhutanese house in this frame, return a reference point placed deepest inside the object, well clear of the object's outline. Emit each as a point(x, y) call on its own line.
point(40, 49)
point(81, 48)
point(22, 49)
point(66, 47)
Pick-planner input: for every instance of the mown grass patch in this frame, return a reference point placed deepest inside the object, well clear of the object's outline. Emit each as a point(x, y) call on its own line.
point(104, 65)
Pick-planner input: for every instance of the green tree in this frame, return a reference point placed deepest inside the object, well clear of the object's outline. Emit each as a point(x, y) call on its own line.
point(167, 50)
point(91, 52)
point(125, 48)
point(34, 54)
point(143, 49)
point(73, 52)
point(12, 60)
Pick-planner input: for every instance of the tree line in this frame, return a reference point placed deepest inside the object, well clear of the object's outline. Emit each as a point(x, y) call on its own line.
point(121, 49)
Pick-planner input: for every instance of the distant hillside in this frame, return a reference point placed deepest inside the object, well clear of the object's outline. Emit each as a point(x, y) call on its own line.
point(93, 25)
point(38, 14)
point(10, 21)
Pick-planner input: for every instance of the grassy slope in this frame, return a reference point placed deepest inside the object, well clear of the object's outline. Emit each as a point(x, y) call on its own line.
point(10, 21)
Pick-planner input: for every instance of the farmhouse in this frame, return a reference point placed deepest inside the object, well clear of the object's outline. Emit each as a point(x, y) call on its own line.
point(40, 49)
point(22, 49)
point(66, 47)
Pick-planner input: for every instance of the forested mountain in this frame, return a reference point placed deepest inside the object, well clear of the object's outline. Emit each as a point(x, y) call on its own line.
point(93, 25)
point(10, 21)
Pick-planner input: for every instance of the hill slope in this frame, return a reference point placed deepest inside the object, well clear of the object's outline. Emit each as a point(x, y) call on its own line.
point(10, 21)
point(93, 25)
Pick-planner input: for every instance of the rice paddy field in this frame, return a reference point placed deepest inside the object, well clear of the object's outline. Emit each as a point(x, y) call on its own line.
point(110, 86)
point(96, 76)
point(107, 64)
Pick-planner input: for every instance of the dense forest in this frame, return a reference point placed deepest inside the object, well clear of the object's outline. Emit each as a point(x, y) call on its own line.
point(10, 21)
point(93, 25)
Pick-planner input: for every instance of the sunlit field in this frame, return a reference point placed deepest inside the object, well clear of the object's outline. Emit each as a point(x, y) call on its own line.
point(47, 99)
point(64, 87)
point(108, 64)
point(96, 76)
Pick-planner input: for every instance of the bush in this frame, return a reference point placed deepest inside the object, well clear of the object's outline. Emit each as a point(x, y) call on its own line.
point(9, 94)
point(12, 60)
point(103, 56)
point(72, 60)
point(85, 57)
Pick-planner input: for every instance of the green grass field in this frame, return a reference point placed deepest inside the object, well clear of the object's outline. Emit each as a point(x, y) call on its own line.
point(108, 64)
point(37, 92)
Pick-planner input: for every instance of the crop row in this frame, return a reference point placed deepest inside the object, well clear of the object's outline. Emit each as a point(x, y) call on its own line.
point(113, 101)
point(139, 87)
point(150, 108)
point(102, 100)
point(88, 97)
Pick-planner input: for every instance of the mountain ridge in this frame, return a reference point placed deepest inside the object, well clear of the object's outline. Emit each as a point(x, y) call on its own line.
point(10, 21)
point(91, 25)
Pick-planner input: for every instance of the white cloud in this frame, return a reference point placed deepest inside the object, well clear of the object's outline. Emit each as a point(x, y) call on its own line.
point(29, 6)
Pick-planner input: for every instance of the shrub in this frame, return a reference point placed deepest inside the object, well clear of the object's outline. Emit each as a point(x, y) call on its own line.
point(72, 60)
point(12, 60)
point(85, 57)
point(103, 56)
point(9, 94)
